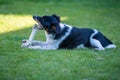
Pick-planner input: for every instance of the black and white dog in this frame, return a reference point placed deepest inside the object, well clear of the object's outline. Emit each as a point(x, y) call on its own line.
point(62, 36)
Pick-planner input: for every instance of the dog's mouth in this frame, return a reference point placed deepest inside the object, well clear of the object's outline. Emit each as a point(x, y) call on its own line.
point(39, 24)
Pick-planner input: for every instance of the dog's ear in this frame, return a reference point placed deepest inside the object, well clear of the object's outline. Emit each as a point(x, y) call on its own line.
point(57, 17)
point(56, 28)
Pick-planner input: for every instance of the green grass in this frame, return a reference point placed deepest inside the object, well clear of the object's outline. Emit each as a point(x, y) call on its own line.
point(17, 63)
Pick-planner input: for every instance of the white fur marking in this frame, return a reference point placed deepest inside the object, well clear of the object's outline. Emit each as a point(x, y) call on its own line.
point(66, 34)
point(110, 46)
point(95, 43)
point(61, 26)
point(80, 46)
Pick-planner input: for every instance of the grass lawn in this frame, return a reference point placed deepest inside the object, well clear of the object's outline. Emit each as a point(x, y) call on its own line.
point(17, 63)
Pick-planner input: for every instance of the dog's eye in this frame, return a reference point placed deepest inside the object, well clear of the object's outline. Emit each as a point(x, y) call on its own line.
point(52, 25)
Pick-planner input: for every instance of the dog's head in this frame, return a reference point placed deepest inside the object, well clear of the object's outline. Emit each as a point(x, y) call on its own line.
point(50, 23)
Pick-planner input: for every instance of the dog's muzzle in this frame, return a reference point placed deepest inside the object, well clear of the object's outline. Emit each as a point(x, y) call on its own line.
point(40, 27)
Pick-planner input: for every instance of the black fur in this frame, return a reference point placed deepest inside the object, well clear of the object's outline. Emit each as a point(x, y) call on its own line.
point(61, 33)
point(77, 37)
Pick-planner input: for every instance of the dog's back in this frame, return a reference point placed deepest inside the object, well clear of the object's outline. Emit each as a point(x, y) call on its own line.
point(85, 37)
point(77, 37)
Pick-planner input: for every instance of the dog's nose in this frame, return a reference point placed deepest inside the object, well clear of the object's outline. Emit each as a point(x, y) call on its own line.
point(35, 17)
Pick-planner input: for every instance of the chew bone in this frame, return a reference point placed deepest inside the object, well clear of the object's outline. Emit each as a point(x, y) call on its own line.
point(40, 27)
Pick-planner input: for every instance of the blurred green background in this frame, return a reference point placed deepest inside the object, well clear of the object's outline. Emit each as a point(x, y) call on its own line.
point(16, 21)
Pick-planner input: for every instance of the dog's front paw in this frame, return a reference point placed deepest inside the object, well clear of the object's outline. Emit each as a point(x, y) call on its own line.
point(26, 43)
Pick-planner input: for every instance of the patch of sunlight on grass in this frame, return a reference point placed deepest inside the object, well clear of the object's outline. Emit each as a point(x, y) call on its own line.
point(64, 18)
point(16, 22)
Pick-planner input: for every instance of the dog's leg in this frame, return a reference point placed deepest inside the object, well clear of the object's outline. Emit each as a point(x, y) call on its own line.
point(31, 37)
point(97, 45)
point(42, 45)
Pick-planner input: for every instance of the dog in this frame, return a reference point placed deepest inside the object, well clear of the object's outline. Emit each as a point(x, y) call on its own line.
point(63, 36)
